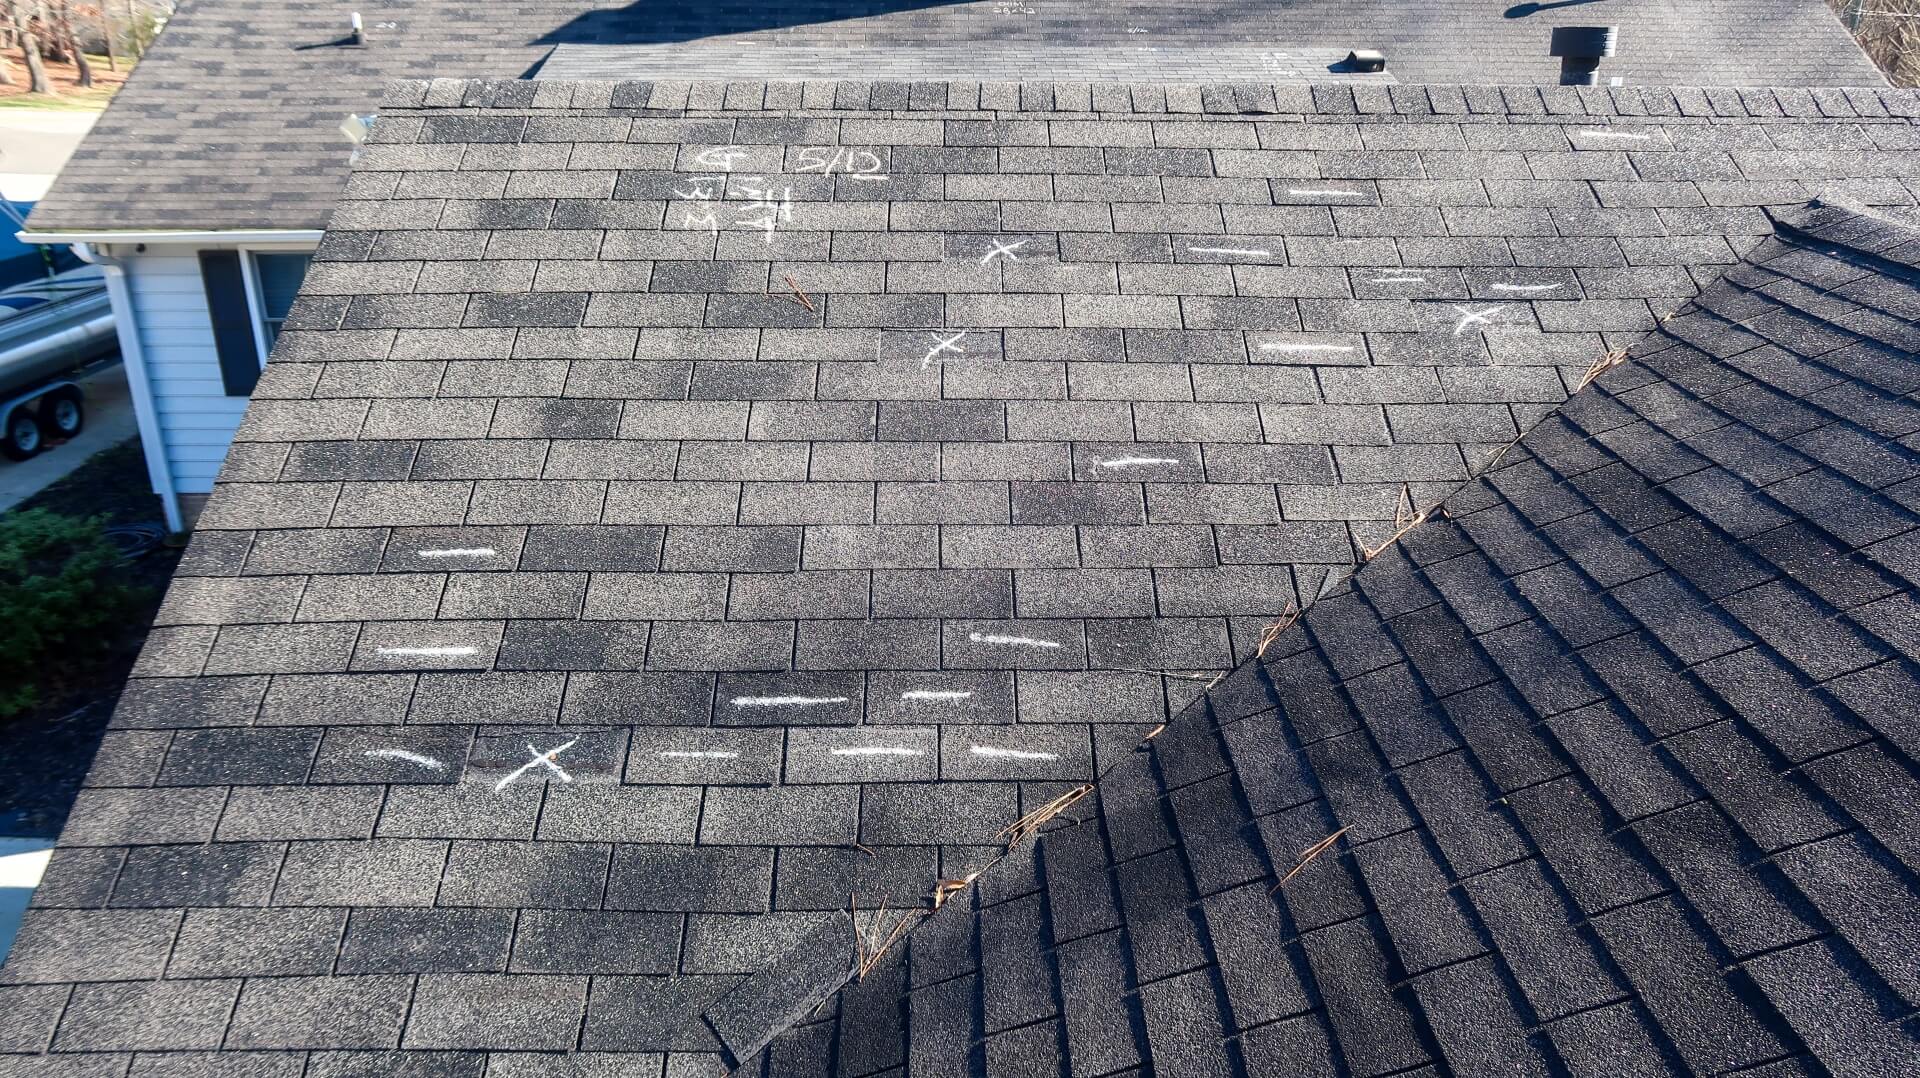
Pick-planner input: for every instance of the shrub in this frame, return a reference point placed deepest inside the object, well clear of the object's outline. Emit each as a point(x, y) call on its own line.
point(63, 603)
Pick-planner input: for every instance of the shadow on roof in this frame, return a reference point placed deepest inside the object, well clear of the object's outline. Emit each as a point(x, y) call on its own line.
point(658, 21)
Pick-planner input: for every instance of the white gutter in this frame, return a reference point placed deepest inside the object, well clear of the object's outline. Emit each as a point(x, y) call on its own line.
point(137, 384)
point(224, 235)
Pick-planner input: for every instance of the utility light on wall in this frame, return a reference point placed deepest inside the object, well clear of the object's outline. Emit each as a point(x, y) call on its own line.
point(1580, 49)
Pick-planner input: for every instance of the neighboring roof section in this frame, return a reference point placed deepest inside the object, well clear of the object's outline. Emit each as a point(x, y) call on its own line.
point(1608, 767)
point(231, 119)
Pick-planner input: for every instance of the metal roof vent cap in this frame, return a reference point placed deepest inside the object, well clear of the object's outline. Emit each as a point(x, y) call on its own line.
point(1365, 60)
point(1580, 49)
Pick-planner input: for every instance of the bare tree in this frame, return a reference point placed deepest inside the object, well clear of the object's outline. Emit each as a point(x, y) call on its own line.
point(83, 71)
point(51, 46)
point(29, 42)
point(1889, 31)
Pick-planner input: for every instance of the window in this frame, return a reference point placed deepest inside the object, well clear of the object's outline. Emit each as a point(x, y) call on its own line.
point(278, 279)
point(248, 296)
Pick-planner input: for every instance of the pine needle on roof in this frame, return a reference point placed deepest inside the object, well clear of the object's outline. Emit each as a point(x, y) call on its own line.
point(1307, 855)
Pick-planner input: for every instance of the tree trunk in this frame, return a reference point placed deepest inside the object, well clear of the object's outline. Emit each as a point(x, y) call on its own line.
point(37, 81)
point(83, 71)
point(51, 46)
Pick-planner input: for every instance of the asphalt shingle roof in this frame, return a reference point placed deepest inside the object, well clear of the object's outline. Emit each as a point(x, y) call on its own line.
point(231, 120)
point(599, 601)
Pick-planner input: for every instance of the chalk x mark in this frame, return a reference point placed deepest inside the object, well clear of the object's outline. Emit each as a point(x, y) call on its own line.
point(1475, 318)
point(1006, 249)
point(427, 762)
point(943, 344)
point(548, 759)
point(1013, 641)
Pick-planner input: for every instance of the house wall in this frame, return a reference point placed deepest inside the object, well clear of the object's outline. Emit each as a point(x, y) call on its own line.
point(196, 418)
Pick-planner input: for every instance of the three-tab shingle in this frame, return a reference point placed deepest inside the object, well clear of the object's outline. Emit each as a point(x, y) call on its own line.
point(757, 550)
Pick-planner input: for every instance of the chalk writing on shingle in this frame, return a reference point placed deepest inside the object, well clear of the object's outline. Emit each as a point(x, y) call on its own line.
point(1012, 641)
point(425, 761)
point(548, 759)
point(1010, 754)
point(860, 163)
point(787, 701)
point(1470, 317)
point(943, 344)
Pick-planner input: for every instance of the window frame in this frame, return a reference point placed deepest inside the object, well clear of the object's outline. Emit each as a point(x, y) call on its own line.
point(256, 297)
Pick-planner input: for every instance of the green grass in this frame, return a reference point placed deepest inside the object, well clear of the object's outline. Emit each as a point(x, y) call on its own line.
point(68, 100)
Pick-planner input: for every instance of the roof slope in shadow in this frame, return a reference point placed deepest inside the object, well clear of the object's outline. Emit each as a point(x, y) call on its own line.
point(1616, 749)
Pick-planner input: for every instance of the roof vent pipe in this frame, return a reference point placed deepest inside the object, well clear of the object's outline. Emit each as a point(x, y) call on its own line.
point(1580, 49)
point(359, 35)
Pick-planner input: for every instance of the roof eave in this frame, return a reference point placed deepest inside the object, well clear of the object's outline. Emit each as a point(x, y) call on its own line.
point(222, 235)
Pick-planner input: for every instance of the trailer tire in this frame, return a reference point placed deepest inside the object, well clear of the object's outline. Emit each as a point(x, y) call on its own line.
point(62, 415)
point(23, 436)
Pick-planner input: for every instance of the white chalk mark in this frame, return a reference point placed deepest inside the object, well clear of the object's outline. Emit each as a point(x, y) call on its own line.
point(787, 701)
point(877, 750)
point(935, 694)
point(1288, 346)
point(1242, 252)
point(867, 176)
point(943, 344)
point(545, 759)
point(460, 552)
point(1475, 318)
point(699, 754)
point(427, 762)
point(1010, 754)
point(720, 157)
point(1324, 192)
point(1505, 287)
point(1413, 278)
point(1591, 132)
point(1016, 641)
point(427, 653)
point(1134, 462)
point(1006, 249)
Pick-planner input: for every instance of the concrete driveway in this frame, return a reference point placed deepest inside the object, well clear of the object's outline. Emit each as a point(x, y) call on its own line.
point(34, 144)
point(110, 421)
